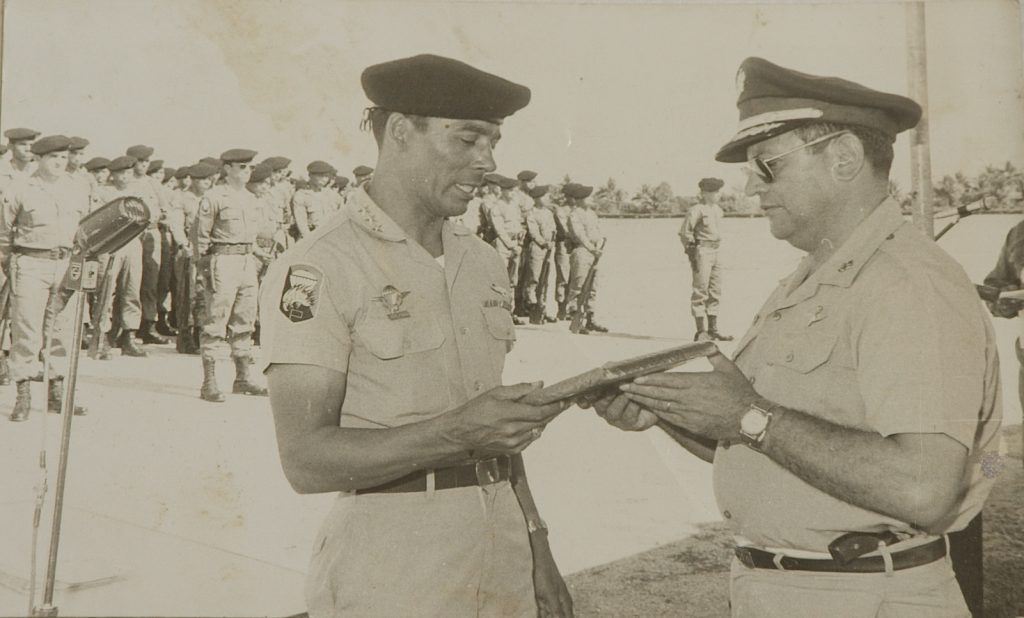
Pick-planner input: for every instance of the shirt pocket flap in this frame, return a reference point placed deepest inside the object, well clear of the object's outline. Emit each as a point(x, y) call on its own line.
point(804, 353)
point(499, 323)
point(387, 339)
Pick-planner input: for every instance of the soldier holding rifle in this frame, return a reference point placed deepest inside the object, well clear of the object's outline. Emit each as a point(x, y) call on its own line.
point(585, 247)
point(540, 226)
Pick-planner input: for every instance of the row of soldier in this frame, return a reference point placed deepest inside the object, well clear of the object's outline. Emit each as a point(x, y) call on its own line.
point(193, 274)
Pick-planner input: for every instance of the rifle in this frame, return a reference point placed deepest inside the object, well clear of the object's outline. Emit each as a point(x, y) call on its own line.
point(537, 311)
point(101, 307)
point(588, 285)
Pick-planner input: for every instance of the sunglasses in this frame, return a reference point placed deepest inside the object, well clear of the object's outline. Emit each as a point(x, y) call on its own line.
point(762, 167)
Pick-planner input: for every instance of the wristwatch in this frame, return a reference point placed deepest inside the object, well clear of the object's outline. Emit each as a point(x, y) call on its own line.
point(754, 426)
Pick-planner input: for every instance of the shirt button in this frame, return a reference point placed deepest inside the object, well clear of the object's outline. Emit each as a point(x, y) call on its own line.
point(753, 379)
point(777, 316)
point(464, 330)
point(789, 357)
point(727, 514)
point(477, 386)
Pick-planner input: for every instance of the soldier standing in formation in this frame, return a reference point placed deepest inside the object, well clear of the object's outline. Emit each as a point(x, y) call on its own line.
point(312, 205)
point(540, 226)
point(181, 221)
point(701, 235)
point(561, 211)
point(585, 246)
point(38, 220)
point(225, 233)
point(152, 195)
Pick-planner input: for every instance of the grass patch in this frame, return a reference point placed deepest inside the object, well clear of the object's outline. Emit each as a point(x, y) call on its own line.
point(690, 577)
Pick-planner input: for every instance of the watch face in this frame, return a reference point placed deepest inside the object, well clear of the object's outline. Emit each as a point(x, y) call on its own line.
point(753, 422)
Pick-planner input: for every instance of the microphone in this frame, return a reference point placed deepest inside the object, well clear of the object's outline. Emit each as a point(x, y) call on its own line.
point(967, 210)
point(104, 230)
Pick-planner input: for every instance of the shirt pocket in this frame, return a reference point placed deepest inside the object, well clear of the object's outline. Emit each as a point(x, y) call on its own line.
point(389, 339)
point(802, 352)
point(499, 323)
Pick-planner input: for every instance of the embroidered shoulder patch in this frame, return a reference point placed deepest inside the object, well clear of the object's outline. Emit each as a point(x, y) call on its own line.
point(301, 293)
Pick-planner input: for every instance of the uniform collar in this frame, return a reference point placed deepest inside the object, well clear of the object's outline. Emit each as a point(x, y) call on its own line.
point(369, 216)
point(846, 263)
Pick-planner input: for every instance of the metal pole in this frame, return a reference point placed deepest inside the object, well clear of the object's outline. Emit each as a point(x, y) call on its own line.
point(917, 85)
point(67, 410)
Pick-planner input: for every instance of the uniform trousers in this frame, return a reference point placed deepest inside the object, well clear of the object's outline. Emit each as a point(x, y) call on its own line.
point(231, 290)
point(151, 251)
point(127, 273)
point(458, 553)
point(562, 268)
point(580, 262)
point(534, 264)
point(707, 281)
point(38, 304)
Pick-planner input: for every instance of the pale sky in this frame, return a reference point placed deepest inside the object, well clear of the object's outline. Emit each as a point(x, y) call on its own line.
point(640, 92)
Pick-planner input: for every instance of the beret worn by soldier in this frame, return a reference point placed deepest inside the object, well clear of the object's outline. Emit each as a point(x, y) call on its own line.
point(774, 100)
point(213, 162)
point(122, 163)
point(526, 175)
point(96, 163)
point(78, 143)
point(237, 155)
point(507, 183)
point(538, 191)
point(17, 135)
point(320, 167)
point(710, 184)
point(277, 163)
point(261, 172)
point(577, 191)
point(428, 85)
point(50, 144)
point(491, 178)
point(341, 182)
point(202, 170)
point(155, 166)
point(182, 172)
point(169, 172)
point(362, 170)
point(139, 151)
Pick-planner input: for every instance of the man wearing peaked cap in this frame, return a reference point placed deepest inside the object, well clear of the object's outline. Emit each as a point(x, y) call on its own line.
point(38, 219)
point(852, 429)
point(701, 236)
point(584, 232)
point(354, 320)
point(315, 204)
point(225, 234)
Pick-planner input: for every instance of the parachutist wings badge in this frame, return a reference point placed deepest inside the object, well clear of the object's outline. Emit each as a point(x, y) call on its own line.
point(392, 300)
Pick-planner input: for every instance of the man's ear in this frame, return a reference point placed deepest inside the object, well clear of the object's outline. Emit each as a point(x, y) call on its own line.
point(397, 129)
point(847, 153)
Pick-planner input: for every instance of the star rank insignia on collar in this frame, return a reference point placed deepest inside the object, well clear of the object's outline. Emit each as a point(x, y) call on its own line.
point(301, 292)
point(392, 300)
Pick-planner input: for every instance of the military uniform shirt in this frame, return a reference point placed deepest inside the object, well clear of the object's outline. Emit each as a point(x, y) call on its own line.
point(541, 224)
point(41, 215)
point(702, 224)
point(585, 228)
point(415, 338)
point(885, 337)
point(226, 215)
point(181, 215)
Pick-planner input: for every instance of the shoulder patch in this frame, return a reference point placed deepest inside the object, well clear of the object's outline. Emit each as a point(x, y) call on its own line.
point(301, 293)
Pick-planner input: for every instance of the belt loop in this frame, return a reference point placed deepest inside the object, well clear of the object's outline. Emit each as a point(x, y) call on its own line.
point(949, 555)
point(431, 483)
point(883, 549)
point(777, 560)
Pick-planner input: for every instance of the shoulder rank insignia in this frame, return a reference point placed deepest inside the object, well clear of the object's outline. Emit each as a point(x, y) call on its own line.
point(301, 292)
point(392, 300)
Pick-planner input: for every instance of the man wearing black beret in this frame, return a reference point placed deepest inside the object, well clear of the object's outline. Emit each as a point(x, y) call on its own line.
point(858, 424)
point(385, 337)
point(701, 235)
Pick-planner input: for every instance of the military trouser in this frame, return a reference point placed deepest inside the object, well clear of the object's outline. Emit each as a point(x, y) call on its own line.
point(707, 281)
point(184, 277)
point(580, 262)
point(510, 256)
point(230, 294)
point(38, 305)
point(165, 278)
point(151, 247)
point(562, 268)
point(127, 274)
point(534, 264)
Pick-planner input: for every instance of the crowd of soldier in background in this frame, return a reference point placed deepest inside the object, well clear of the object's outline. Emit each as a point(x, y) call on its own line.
point(215, 226)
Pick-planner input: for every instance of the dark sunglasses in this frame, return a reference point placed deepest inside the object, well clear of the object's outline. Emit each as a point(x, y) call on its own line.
point(762, 167)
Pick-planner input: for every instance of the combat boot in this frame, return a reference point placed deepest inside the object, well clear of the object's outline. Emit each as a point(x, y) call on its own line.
point(243, 385)
point(562, 314)
point(5, 370)
point(103, 347)
point(713, 329)
point(209, 390)
point(164, 327)
point(702, 333)
point(129, 347)
point(55, 397)
point(23, 405)
point(147, 335)
point(594, 326)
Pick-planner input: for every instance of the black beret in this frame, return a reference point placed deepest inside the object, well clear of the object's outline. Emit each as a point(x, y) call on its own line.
point(50, 143)
point(261, 172)
point(538, 191)
point(96, 163)
point(16, 135)
point(492, 178)
point(711, 184)
point(213, 162)
point(428, 85)
point(321, 167)
point(526, 175)
point(362, 170)
point(169, 172)
point(774, 100)
point(139, 151)
point(125, 162)
point(577, 191)
point(78, 143)
point(237, 155)
point(341, 182)
point(202, 170)
point(182, 172)
point(507, 183)
point(277, 163)
point(155, 166)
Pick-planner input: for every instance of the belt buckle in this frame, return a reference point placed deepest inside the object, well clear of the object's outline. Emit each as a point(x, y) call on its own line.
point(487, 472)
point(744, 556)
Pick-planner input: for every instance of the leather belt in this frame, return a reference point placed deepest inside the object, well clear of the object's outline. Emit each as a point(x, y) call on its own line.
point(56, 253)
point(230, 248)
point(469, 475)
point(755, 558)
